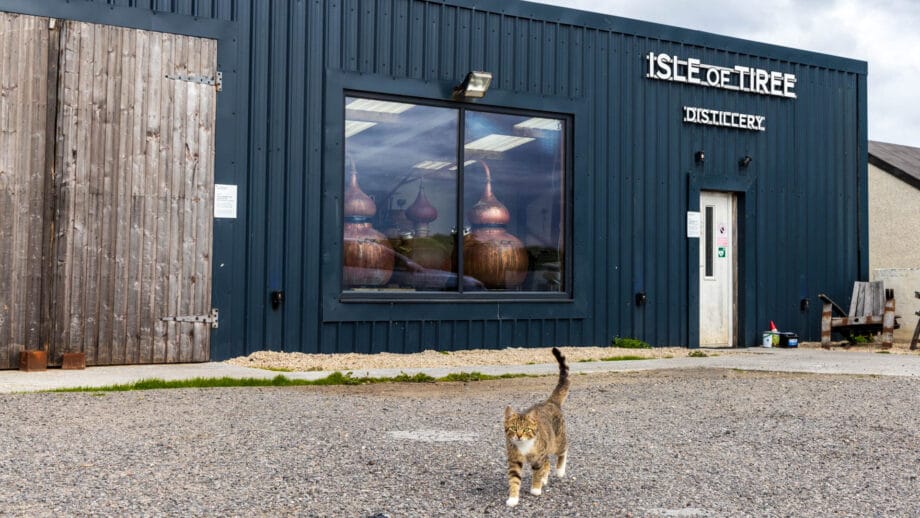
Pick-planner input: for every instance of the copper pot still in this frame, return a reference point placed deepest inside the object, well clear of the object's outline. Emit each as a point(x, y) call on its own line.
point(490, 253)
point(424, 249)
point(367, 256)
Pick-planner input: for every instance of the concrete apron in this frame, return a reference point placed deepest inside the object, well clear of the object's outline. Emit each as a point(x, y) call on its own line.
point(773, 359)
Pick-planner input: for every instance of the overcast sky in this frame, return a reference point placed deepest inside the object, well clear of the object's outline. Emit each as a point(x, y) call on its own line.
point(886, 33)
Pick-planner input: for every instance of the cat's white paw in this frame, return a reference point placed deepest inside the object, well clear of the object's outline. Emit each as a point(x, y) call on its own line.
point(513, 501)
point(536, 491)
point(560, 471)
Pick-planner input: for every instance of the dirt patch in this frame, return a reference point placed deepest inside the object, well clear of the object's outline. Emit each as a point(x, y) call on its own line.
point(469, 358)
point(301, 362)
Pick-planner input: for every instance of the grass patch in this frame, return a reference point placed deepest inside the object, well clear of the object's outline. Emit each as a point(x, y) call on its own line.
point(478, 376)
point(862, 339)
point(625, 357)
point(276, 369)
point(882, 352)
point(621, 358)
point(629, 343)
point(336, 378)
point(698, 354)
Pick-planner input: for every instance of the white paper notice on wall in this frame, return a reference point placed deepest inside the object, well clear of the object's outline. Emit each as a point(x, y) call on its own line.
point(224, 201)
point(693, 224)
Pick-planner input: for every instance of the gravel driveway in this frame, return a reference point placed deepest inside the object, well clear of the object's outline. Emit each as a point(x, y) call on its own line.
point(696, 442)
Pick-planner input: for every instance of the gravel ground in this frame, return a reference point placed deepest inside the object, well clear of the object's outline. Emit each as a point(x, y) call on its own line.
point(702, 442)
point(699, 442)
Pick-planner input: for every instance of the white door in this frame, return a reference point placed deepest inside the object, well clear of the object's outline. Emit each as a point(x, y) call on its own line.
point(717, 269)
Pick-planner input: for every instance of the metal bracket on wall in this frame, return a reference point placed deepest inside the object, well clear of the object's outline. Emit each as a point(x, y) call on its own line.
point(216, 81)
point(210, 318)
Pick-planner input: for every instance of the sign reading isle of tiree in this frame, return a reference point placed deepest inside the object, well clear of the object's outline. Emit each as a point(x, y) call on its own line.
point(738, 78)
point(666, 67)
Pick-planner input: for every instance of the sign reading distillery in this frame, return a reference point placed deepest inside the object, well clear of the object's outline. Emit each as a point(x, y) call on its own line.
point(739, 78)
point(726, 119)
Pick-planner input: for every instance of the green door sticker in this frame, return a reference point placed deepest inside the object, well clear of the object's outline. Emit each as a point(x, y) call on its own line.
point(721, 251)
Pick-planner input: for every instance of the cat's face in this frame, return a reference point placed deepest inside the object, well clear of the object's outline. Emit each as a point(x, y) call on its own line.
point(521, 429)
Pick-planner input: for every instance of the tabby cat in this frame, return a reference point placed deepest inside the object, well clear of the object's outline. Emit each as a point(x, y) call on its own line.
point(535, 434)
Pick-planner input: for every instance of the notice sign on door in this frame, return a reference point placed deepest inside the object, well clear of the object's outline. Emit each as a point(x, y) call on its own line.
point(224, 201)
point(721, 251)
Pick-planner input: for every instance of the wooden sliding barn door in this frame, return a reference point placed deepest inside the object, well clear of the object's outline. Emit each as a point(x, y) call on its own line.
point(134, 168)
point(27, 78)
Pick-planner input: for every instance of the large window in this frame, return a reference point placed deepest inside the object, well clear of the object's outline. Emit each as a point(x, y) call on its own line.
point(446, 199)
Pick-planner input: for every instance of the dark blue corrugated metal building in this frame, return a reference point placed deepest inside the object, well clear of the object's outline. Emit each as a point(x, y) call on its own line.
point(632, 178)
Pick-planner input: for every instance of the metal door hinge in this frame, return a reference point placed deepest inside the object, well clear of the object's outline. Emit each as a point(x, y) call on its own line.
point(216, 81)
point(210, 318)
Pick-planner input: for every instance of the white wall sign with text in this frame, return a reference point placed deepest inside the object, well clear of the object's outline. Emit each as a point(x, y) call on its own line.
point(224, 201)
point(693, 224)
point(725, 119)
point(739, 78)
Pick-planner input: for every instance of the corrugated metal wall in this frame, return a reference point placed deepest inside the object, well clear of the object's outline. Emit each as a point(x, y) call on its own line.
point(634, 166)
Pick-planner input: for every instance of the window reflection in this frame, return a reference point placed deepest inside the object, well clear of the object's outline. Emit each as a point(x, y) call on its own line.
point(400, 226)
point(514, 201)
point(400, 156)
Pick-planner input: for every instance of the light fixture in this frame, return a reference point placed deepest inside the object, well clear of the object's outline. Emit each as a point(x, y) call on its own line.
point(352, 128)
point(374, 105)
point(540, 123)
point(497, 143)
point(432, 165)
point(700, 156)
point(467, 163)
point(474, 86)
point(746, 161)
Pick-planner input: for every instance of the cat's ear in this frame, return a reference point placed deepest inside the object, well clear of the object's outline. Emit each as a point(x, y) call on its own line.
point(509, 412)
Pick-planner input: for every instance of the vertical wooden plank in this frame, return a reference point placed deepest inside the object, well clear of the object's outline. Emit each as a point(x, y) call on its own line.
point(95, 194)
point(188, 134)
point(141, 99)
point(19, 163)
point(77, 227)
point(8, 181)
point(51, 109)
point(115, 155)
point(63, 159)
point(171, 208)
point(112, 71)
point(165, 213)
point(856, 300)
point(34, 144)
point(204, 181)
point(151, 186)
point(127, 125)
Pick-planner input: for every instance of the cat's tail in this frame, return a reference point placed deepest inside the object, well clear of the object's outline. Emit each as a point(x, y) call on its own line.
point(562, 388)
